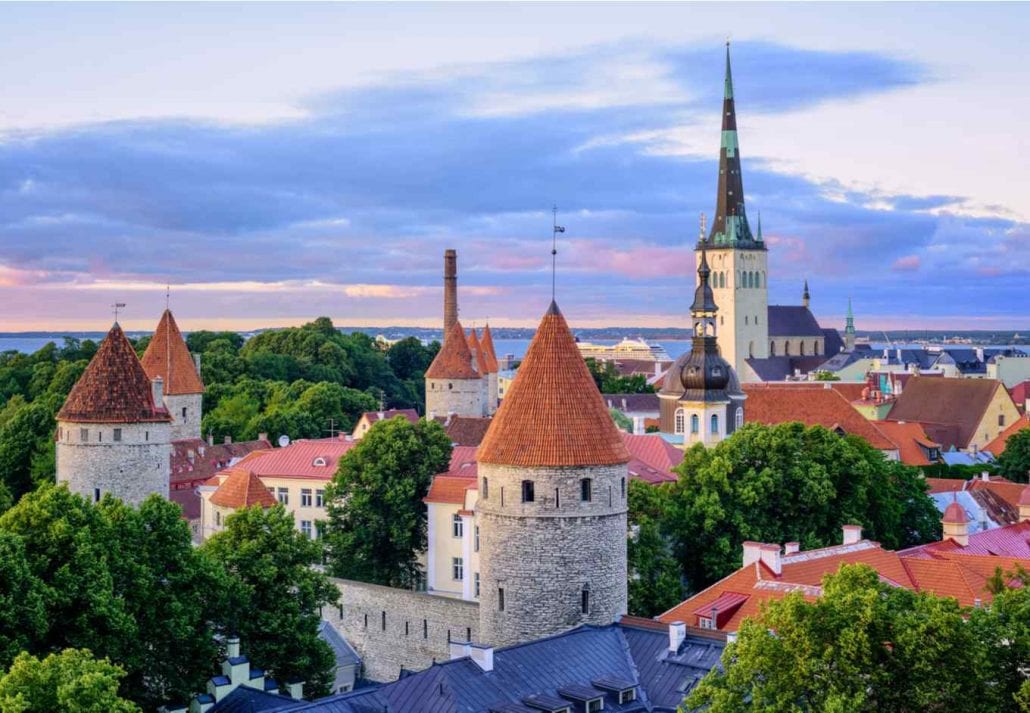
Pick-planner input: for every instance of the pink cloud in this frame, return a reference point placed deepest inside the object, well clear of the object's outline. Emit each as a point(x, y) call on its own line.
point(909, 263)
point(633, 261)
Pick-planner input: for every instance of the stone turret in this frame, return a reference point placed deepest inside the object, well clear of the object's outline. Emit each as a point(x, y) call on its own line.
point(111, 435)
point(167, 357)
point(552, 499)
point(453, 385)
point(956, 524)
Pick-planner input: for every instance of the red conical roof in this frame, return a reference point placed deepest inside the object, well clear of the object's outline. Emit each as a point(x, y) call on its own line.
point(114, 388)
point(954, 514)
point(479, 360)
point(242, 489)
point(168, 356)
point(454, 361)
point(553, 414)
point(487, 342)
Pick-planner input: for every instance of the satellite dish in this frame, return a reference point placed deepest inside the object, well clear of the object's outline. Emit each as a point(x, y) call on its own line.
point(284, 441)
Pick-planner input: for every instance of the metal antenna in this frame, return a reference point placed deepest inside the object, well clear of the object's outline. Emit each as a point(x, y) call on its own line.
point(332, 428)
point(168, 295)
point(554, 248)
point(117, 306)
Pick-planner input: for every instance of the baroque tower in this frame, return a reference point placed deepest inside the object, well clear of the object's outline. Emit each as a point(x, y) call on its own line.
point(168, 357)
point(552, 499)
point(113, 432)
point(738, 258)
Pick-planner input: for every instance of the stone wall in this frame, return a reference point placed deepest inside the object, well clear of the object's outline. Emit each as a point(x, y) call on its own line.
point(188, 426)
point(130, 469)
point(462, 397)
point(393, 629)
point(545, 553)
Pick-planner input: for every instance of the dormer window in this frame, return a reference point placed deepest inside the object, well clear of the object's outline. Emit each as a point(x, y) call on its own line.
point(319, 462)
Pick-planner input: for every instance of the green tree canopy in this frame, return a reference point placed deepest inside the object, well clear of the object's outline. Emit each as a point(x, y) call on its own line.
point(609, 381)
point(377, 520)
point(1014, 461)
point(867, 646)
point(71, 681)
point(654, 574)
point(276, 594)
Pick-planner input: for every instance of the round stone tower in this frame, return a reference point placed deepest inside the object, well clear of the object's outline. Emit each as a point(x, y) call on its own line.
point(168, 357)
point(113, 434)
point(453, 385)
point(552, 499)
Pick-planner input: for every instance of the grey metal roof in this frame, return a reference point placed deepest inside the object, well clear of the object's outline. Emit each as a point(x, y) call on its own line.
point(343, 651)
point(793, 321)
point(567, 661)
point(245, 699)
point(832, 343)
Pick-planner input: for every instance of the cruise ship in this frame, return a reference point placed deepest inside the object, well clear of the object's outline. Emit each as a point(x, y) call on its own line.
point(637, 349)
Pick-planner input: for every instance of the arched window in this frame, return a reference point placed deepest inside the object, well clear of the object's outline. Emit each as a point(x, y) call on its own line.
point(815, 347)
point(681, 421)
point(751, 350)
point(715, 423)
point(722, 279)
point(758, 279)
point(738, 280)
point(802, 347)
point(738, 418)
point(745, 319)
point(772, 348)
point(786, 348)
point(695, 423)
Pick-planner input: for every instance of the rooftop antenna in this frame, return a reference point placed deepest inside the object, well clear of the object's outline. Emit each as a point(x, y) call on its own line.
point(332, 428)
point(554, 248)
point(168, 295)
point(117, 306)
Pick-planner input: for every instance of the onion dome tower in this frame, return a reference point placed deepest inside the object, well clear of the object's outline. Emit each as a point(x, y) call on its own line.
point(453, 385)
point(552, 499)
point(490, 353)
point(113, 432)
point(168, 357)
point(701, 398)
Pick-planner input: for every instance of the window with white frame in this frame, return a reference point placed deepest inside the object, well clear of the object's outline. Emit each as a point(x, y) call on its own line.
point(457, 525)
point(457, 569)
point(305, 497)
point(681, 421)
point(305, 528)
point(283, 495)
point(319, 498)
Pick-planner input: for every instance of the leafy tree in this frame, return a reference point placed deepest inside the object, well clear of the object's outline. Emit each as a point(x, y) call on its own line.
point(864, 645)
point(826, 376)
point(1014, 461)
point(1004, 629)
point(377, 520)
point(787, 483)
point(277, 595)
point(71, 681)
point(22, 608)
point(654, 574)
point(204, 341)
point(622, 421)
point(230, 417)
point(409, 359)
point(27, 436)
point(609, 381)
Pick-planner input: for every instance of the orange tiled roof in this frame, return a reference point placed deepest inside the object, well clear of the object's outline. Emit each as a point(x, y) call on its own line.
point(954, 514)
point(553, 414)
point(449, 489)
point(114, 388)
point(242, 488)
point(812, 405)
point(956, 403)
point(910, 438)
point(454, 360)
point(997, 446)
point(487, 343)
point(168, 357)
point(479, 360)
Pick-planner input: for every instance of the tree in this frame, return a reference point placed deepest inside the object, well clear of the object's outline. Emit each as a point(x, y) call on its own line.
point(1014, 461)
point(277, 595)
point(26, 437)
point(409, 359)
point(864, 645)
point(22, 607)
point(826, 376)
point(654, 574)
point(231, 417)
point(609, 381)
point(622, 421)
point(377, 520)
point(71, 681)
point(788, 483)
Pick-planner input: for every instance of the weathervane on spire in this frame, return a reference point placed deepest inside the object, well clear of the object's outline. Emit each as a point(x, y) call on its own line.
point(701, 233)
point(117, 306)
point(168, 295)
point(554, 248)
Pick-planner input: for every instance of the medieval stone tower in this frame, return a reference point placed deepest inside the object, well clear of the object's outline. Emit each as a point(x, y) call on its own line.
point(487, 343)
point(168, 357)
point(456, 383)
point(113, 433)
point(552, 499)
point(738, 259)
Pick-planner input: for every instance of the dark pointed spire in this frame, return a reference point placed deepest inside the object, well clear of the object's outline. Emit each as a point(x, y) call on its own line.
point(805, 296)
point(730, 226)
point(704, 299)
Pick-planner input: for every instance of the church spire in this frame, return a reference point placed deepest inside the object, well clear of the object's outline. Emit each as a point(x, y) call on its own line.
point(730, 226)
point(849, 329)
point(805, 296)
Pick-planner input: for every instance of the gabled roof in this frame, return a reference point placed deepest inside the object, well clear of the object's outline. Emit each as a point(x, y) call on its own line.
point(793, 321)
point(997, 446)
point(958, 403)
point(316, 459)
point(465, 430)
point(242, 489)
point(194, 460)
point(1009, 541)
point(553, 414)
point(911, 440)
point(813, 404)
point(479, 361)
point(454, 360)
point(652, 457)
point(168, 356)
point(487, 342)
point(832, 343)
point(114, 388)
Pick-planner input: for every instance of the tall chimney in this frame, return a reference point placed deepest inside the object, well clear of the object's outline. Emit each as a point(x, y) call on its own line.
point(450, 290)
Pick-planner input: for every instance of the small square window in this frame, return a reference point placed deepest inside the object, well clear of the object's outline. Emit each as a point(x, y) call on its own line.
point(84, 434)
point(117, 434)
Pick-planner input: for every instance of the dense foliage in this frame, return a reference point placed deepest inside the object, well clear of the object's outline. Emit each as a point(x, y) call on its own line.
point(1014, 461)
point(71, 680)
point(782, 483)
point(610, 381)
point(865, 645)
point(127, 584)
point(654, 574)
point(377, 520)
point(302, 382)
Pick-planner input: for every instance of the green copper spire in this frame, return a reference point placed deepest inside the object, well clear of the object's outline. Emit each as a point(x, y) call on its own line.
point(727, 92)
point(849, 330)
point(851, 317)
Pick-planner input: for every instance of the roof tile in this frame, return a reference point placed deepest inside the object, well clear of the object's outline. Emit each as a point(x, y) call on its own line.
point(242, 488)
point(454, 360)
point(168, 356)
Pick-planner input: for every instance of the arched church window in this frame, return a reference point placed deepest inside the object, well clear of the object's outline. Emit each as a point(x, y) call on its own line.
point(681, 421)
point(722, 279)
point(786, 348)
point(738, 418)
point(715, 423)
point(738, 279)
point(695, 423)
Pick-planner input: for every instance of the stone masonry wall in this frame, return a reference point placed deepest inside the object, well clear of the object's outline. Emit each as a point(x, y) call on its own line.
point(462, 397)
point(130, 469)
point(544, 553)
point(190, 426)
point(393, 629)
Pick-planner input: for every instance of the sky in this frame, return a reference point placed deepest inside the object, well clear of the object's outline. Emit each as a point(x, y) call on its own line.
point(273, 163)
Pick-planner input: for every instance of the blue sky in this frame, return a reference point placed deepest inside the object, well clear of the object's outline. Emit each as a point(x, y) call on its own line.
point(275, 163)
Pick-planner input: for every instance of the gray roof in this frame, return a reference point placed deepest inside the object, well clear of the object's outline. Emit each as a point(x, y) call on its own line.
point(793, 321)
point(245, 699)
point(832, 343)
point(625, 652)
point(631, 403)
point(344, 653)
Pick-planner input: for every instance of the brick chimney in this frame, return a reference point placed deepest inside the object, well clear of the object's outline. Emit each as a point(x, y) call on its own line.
point(771, 558)
point(852, 534)
point(1024, 505)
point(956, 525)
point(677, 633)
point(450, 290)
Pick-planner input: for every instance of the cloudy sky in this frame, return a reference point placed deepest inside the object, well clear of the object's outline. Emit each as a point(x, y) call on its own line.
point(278, 162)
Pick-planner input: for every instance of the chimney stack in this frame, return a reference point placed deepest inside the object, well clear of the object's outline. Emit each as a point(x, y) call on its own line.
point(771, 558)
point(677, 633)
point(791, 548)
point(852, 534)
point(450, 290)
